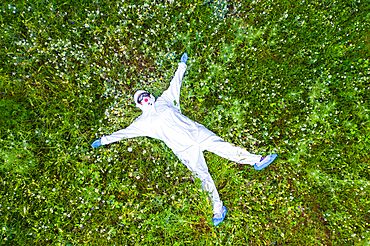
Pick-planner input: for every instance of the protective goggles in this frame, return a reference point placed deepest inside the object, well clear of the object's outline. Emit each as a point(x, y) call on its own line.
point(141, 96)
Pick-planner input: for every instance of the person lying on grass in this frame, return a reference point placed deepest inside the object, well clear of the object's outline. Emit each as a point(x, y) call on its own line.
point(162, 119)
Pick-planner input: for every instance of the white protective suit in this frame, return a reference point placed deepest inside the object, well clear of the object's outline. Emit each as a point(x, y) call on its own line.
point(187, 139)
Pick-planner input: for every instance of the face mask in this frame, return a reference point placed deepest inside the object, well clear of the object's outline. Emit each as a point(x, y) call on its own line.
point(147, 102)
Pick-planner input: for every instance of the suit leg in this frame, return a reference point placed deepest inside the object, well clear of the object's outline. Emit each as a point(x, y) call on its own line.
point(211, 142)
point(193, 158)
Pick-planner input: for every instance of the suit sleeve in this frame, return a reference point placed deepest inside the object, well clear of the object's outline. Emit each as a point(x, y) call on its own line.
point(173, 92)
point(136, 129)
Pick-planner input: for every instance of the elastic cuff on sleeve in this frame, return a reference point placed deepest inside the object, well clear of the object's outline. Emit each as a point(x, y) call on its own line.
point(182, 65)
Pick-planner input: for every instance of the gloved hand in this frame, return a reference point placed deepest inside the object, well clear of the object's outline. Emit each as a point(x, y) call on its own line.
point(96, 143)
point(184, 58)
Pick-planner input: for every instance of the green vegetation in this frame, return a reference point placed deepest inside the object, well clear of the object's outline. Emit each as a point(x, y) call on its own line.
point(283, 76)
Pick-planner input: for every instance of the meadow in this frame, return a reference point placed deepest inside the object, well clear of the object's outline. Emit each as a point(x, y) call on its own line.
point(283, 76)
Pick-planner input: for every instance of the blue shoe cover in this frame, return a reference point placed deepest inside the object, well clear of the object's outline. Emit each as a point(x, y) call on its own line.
point(272, 158)
point(217, 221)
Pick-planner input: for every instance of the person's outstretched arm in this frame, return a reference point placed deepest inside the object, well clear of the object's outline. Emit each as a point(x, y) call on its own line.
point(136, 129)
point(173, 92)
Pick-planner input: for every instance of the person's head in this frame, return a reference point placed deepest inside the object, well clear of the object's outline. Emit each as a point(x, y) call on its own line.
point(144, 100)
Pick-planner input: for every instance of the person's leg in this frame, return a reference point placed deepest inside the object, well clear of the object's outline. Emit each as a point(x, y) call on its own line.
point(211, 142)
point(193, 159)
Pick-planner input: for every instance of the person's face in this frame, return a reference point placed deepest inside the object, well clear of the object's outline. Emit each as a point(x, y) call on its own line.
point(145, 100)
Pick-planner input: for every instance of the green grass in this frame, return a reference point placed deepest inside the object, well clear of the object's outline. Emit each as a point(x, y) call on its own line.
point(290, 77)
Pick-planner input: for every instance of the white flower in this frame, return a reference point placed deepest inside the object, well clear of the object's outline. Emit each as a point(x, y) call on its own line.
point(129, 149)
